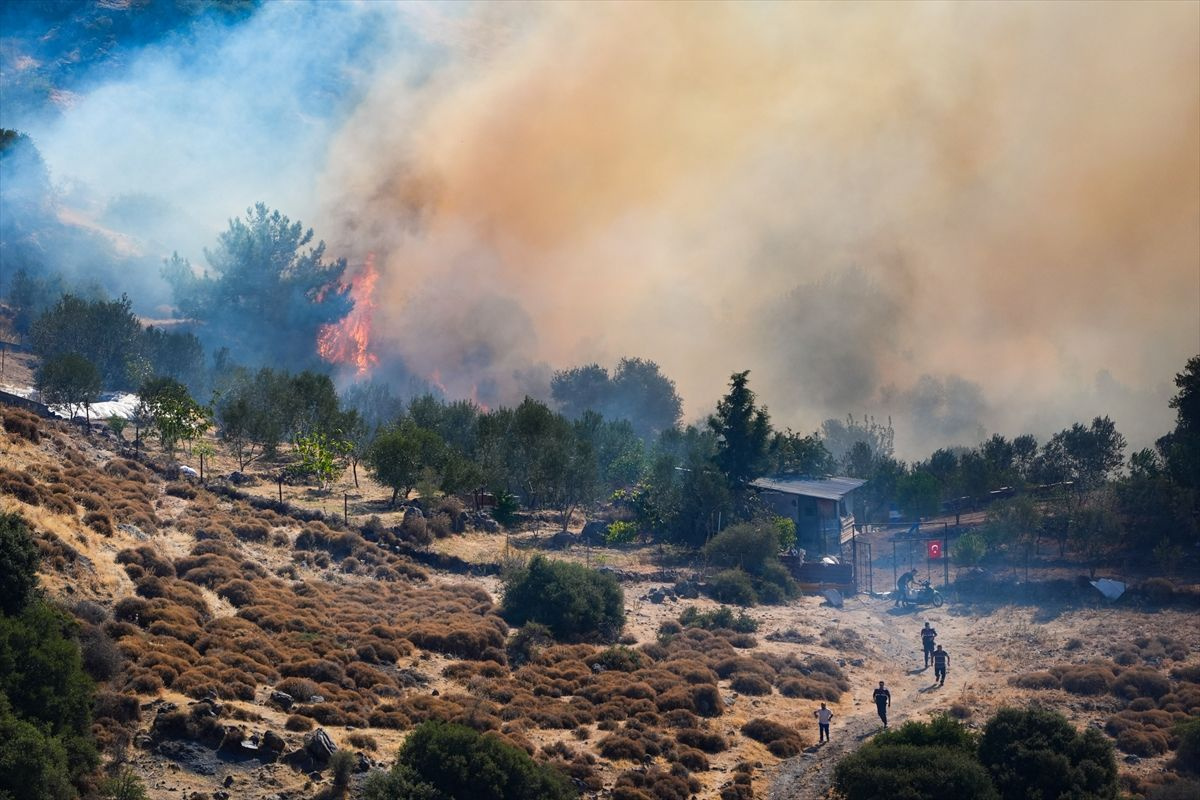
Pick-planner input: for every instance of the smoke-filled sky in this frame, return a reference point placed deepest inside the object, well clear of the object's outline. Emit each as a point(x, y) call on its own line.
point(974, 218)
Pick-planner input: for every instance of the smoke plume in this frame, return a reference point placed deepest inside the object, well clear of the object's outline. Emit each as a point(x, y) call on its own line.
point(970, 217)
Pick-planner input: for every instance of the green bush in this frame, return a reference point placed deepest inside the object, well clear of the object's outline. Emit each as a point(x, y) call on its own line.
point(125, 785)
point(45, 695)
point(442, 760)
point(747, 546)
point(1187, 753)
point(18, 564)
point(723, 617)
point(878, 772)
point(1036, 753)
point(574, 602)
point(732, 586)
point(941, 731)
point(32, 764)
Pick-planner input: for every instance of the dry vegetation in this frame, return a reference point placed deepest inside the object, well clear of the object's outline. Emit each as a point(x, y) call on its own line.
point(223, 620)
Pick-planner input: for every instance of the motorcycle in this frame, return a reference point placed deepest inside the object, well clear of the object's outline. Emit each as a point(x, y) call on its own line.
point(923, 595)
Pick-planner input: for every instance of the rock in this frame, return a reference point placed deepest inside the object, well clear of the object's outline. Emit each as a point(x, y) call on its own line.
point(219, 795)
point(561, 540)
point(594, 532)
point(318, 745)
point(317, 698)
point(282, 699)
point(133, 530)
point(228, 781)
point(362, 763)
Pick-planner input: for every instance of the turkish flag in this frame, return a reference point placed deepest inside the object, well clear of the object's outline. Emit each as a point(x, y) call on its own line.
point(933, 549)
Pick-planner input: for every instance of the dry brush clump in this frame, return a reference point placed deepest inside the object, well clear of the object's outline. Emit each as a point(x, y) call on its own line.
point(781, 740)
point(21, 424)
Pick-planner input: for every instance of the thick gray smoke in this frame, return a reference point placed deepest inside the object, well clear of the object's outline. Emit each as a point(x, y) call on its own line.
point(972, 218)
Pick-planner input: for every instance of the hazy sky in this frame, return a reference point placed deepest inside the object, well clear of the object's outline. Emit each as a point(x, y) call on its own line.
point(973, 217)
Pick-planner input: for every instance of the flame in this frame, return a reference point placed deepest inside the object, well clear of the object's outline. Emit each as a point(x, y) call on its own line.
point(436, 380)
point(349, 341)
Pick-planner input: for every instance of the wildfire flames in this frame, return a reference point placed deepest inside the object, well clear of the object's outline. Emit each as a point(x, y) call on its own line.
point(349, 341)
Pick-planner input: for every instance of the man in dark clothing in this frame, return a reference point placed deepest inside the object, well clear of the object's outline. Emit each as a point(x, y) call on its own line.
point(941, 660)
point(902, 585)
point(928, 634)
point(883, 699)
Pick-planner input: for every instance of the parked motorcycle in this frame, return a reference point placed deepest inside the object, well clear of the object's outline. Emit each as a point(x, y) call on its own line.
point(923, 595)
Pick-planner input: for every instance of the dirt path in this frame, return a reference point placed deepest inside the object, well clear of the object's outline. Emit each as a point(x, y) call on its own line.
point(893, 635)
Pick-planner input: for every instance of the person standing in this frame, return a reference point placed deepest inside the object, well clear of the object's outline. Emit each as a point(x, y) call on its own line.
point(883, 699)
point(941, 660)
point(928, 634)
point(902, 586)
point(823, 715)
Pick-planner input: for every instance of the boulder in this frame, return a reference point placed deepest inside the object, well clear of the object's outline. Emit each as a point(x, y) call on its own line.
point(318, 745)
point(282, 699)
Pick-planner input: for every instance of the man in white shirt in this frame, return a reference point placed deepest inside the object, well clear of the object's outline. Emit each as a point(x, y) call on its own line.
point(823, 716)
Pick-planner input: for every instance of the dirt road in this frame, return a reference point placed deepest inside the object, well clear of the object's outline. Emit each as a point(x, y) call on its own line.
point(895, 657)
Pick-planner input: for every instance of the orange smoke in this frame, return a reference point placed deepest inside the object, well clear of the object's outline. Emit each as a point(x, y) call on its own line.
point(349, 341)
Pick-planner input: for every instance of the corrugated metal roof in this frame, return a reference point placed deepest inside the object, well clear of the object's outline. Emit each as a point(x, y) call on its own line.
point(823, 488)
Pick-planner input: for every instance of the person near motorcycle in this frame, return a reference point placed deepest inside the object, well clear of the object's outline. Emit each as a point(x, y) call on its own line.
point(928, 634)
point(902, 585)
point(941, 660)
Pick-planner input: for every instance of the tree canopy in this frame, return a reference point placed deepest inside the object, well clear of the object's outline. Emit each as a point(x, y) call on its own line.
point(266, 292)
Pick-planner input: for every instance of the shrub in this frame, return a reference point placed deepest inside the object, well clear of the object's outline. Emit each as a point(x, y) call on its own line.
point(705, 740)
point(574, 602)
point(455, 761)
point(732, 586)
point(18, 564)
point(1140, 682)
point(781, 740)
point(904, 770)
point(125, 785)
point(722, 617)
point(1086, 680)
point(1036, 680)
point(1187, 753)
point(295, 722)
point(750, 683)
point(1037, 753)
point(619, 658)
point(746, 546)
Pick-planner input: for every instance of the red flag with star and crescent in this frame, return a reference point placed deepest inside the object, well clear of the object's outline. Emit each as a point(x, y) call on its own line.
point(933, 549)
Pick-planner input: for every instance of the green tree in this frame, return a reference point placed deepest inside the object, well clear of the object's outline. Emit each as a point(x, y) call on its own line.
point(1180, 448)
point(264, 277)
point(105, 333)
point(1036, 754)
point(918, 493)
point(398, 455)
point(574, 602)
point(743, 431)
point(793, 454)
point(321, 456)
point(69, 379)
point(175, 415)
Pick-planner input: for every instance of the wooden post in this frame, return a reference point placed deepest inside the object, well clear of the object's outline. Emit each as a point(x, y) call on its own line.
point(280, 479)
point(346, 507)
point(202, 466)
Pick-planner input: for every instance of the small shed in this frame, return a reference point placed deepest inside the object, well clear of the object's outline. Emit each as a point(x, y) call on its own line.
point(818, 506)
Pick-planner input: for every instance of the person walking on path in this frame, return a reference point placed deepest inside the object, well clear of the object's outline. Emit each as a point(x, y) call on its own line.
point(883, 699)
point(941, 660)
point(928, 634)
point(823, 716)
